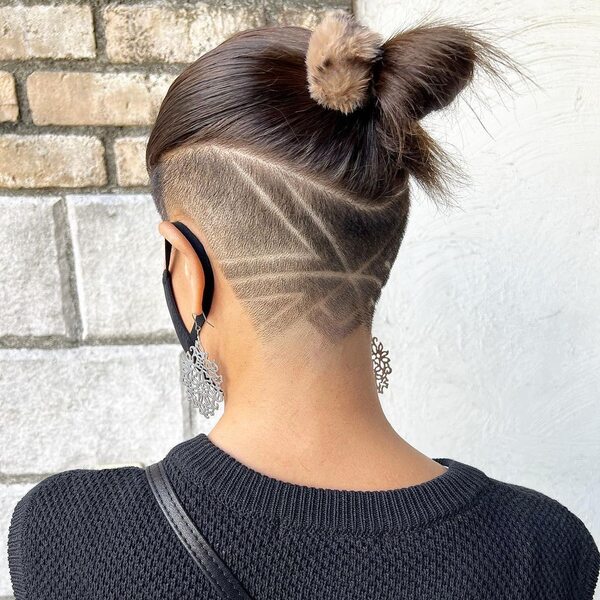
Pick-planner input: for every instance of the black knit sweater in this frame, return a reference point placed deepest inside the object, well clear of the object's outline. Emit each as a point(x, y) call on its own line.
point(98, 534)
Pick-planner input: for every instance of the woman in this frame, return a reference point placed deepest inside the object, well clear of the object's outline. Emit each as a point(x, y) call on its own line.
point(280, 163)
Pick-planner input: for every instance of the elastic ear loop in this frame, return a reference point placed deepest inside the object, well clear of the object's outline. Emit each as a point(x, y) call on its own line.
point(209, 282)
point(187, 338)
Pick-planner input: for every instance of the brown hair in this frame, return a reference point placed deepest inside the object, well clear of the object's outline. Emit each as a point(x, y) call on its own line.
point(292, 150)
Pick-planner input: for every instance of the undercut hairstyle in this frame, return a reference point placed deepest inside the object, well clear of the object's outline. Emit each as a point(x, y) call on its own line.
point(292, 150)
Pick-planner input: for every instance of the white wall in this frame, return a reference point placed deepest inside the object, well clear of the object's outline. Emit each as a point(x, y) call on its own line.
point(494, 307)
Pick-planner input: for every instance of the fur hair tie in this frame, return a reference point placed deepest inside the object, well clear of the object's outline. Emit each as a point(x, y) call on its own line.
point(339, 61)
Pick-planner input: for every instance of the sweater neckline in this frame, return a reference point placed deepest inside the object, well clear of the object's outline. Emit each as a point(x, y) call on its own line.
point(246, 490)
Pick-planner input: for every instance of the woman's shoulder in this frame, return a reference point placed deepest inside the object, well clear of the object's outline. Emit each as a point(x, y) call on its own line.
point(74, 494)
point(541, 511)
point(65, 517)
point(548, 533)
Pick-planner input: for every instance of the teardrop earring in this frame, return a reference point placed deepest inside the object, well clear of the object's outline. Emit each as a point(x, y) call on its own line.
point(381, 364)
point(199, 375)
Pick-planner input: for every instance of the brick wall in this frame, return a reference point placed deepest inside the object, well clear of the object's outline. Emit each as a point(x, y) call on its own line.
point(88, 359)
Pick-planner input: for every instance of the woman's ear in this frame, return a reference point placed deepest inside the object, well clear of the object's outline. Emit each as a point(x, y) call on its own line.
point(187, 274)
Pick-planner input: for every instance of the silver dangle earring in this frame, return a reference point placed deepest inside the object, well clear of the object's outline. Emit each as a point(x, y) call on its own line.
point(199, 375)
point(381, 364)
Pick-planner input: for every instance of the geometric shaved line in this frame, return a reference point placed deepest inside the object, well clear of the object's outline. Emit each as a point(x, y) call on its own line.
point(264, 196)
point(265, 258)
point(336, 288)
point(292, 247)
point(327, 274)
point(327, 190)
point(276, 295)
point(321, 227)
point(346, 274)
point(296, 298)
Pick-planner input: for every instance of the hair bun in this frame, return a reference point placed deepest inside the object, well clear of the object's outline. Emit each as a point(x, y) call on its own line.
point(339, 61)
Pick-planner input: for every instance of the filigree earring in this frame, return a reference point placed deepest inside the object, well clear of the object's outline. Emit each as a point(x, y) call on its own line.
point(199, 375)
point(381, 364)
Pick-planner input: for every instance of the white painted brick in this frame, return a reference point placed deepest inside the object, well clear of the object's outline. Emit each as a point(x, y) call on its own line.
point(119, 260)
point(9, 496)
point(31, 294)
point(87, 407)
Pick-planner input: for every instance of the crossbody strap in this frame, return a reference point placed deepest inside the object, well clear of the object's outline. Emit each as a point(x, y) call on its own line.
point(223, 580)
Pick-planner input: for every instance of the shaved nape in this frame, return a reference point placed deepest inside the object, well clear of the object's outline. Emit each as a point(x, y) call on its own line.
point(292, 248)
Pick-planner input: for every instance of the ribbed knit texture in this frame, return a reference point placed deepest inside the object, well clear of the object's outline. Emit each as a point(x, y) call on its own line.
point(99, 535)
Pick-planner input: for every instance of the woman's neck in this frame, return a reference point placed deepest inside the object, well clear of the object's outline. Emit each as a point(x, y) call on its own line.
point(314, 418)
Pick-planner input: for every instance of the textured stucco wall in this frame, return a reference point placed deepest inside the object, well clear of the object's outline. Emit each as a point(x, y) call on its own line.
point(494, 308)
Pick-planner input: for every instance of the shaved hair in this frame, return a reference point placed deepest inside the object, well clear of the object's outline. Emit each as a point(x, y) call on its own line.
point(291, 247)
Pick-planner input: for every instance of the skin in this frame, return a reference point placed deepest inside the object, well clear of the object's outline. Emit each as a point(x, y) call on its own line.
point(295, 410)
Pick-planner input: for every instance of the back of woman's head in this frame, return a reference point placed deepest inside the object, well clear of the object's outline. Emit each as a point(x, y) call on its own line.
point(292, 152)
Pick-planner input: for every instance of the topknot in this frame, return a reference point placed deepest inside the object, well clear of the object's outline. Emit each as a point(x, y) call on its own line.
point(339, 61)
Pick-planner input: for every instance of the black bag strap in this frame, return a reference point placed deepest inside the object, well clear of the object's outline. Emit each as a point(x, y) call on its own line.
point(223, 580)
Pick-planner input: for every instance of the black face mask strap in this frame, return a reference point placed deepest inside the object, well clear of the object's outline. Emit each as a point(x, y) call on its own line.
point(188, 338)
